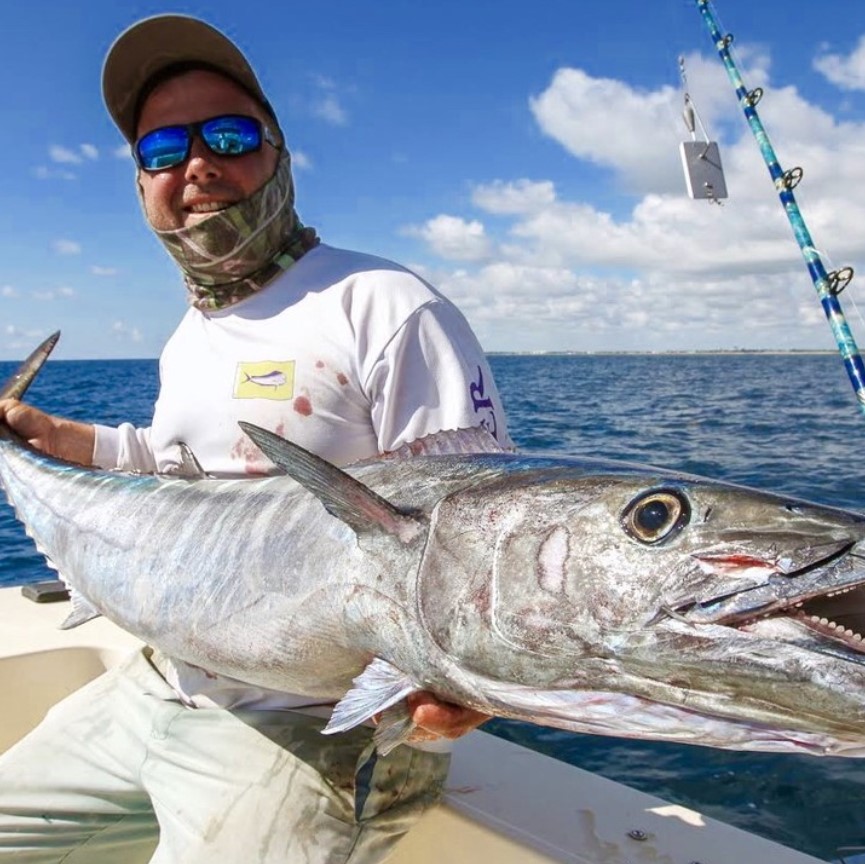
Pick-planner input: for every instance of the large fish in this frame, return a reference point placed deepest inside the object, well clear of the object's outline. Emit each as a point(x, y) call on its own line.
point(586, 595)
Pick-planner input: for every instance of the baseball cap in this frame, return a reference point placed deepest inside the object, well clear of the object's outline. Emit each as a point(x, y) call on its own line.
point(152, 45)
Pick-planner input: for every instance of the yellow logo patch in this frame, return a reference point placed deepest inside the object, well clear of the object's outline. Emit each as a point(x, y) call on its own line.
point(266, 379)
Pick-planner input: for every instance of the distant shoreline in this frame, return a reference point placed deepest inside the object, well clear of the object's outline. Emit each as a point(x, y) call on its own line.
point(713, 352)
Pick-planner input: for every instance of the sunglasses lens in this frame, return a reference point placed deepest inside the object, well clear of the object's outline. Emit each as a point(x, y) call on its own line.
point(163, 148)
point(232, 135)
point(229, 135)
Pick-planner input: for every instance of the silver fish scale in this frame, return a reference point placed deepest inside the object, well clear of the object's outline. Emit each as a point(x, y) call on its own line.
point(526, 594)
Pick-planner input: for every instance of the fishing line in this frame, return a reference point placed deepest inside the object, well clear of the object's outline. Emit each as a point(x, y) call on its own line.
point(689, 112)
point(701, 158)
point(828, 285)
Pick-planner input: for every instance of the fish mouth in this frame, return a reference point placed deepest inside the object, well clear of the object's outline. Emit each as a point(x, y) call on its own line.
point(821, 605)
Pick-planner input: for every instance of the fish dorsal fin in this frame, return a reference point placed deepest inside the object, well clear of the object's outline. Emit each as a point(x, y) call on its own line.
point(449, 442)
point(341, 494)
point(24, 375)
point(189, 467)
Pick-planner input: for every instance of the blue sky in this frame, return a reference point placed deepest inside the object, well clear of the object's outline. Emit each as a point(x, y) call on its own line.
point(522, 157)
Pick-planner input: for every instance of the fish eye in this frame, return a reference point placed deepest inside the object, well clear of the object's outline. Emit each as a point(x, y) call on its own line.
point(656, 516)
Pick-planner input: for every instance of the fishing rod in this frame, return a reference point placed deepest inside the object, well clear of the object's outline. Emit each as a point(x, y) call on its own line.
point(828, 284)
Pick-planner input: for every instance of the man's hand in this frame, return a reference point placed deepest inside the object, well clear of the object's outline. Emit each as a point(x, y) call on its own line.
point(436, 719)
point(56, 436)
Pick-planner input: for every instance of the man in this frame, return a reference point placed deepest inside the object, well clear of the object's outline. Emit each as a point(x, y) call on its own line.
point(345, 354)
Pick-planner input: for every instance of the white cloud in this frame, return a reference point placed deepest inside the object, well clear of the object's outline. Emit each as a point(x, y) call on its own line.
point(49, 295)
point(519, 196)
point(122, 152)
point(123, 331)
point(845, 71)
point(453, 238)
point(635, 132)
point(21, 338)
point(300, 161)
point(42, 172)
point(96, 270)
point(323, 82)
point(64, 155)
point(66, 247)
point(329, 109)
point(327, 104)
point(665, 271)
point(8, 291)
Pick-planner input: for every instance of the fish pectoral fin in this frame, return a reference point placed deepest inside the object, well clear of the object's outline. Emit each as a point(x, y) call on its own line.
point(394, 728)
point(376, 689)
point(342, 495)
point(82, 611)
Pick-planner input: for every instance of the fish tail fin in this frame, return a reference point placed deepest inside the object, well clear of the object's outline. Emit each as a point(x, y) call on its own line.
point(22, 378)
point(26, 373)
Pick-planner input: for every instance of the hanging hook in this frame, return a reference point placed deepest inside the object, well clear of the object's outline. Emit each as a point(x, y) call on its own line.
point(688, 116)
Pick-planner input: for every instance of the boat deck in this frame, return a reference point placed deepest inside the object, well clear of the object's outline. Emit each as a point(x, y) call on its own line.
point(504, 803)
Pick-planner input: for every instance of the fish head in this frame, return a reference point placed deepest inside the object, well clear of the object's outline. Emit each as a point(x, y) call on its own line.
point(666, 588)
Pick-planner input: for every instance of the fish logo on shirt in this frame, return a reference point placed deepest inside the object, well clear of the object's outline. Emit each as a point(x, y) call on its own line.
point(264, 379)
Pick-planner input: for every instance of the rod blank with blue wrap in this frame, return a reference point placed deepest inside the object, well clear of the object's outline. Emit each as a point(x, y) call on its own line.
point(828, 285)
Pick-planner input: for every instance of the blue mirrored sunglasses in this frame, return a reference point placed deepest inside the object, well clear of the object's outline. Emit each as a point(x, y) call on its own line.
point(226, 135)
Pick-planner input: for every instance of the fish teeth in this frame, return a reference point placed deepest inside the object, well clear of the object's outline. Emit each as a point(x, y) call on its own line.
point(839, 629)
point(839, 592)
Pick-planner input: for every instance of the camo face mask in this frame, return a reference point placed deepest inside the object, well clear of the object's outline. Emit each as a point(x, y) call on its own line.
point(237, 251)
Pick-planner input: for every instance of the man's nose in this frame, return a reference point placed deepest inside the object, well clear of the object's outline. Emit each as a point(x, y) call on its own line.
point(202, 163)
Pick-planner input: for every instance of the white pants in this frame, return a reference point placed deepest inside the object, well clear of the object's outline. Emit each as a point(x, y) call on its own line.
point(121, 772)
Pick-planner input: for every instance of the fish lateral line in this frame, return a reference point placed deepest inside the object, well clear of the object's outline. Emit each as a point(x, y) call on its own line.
point(342, 495)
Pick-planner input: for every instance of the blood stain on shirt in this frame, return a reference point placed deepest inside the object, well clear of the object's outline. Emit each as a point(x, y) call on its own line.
point(245, 451)
point(343, 380)
point(319, 364)
point(303, 406)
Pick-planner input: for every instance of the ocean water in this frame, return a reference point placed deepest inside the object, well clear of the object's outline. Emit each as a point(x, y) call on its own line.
point(786, 423)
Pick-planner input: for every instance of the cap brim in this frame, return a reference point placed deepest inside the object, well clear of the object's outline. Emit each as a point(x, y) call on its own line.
point(155, 43)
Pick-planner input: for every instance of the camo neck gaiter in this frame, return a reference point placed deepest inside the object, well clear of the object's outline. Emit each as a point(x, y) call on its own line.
point(237, 251)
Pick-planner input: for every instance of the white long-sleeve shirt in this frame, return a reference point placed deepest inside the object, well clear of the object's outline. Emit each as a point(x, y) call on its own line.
point(345, 354)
